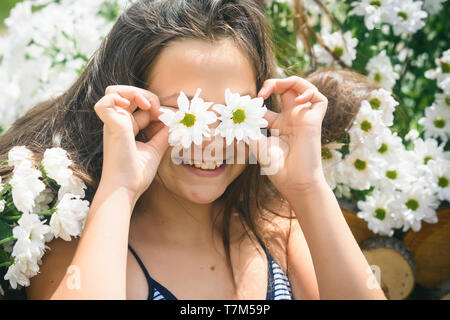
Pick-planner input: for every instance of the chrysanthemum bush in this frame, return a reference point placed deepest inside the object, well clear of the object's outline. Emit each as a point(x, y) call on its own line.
point(38, 203)
point(394, 164)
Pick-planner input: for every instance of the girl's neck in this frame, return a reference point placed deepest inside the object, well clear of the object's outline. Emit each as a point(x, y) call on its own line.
point(170, 217)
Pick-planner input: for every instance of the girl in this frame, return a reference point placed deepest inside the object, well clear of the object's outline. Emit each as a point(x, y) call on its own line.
point(161, 230)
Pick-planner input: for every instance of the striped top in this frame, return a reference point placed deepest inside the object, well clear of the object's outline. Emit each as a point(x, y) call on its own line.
point(278, 287)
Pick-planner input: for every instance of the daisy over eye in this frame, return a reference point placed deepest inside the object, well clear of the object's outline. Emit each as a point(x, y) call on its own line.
point(241, 117)
point(190, 123)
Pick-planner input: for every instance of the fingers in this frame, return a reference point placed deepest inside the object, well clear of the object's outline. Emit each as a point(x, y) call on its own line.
point(107, 107)
point(160, 141)
point(271, 116)
point(139, 98)
point(280, 86)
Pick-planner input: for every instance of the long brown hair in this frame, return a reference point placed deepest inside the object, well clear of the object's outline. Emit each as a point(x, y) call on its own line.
point(125, 57)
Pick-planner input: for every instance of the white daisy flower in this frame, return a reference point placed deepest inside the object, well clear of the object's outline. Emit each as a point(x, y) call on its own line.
point(372, 11)
point(418, 202)
point(360, 168)
point(442, 72)
point(26, 186)
point(433, 6)
point(395, 175)
point(342, 191)
point(380, 69)
point(443, 99)
point(440, 178)
point(342, 45)
point(429, 149)
point(190, 123)
point(382, 100)
point(18, 155)
point(69, 218)
point(436, 122)
point(380, 216)
point(56, 165)
point(367, 124)
point(330, 158)
point(406, 16)
point(390, 148)
point(241, 117)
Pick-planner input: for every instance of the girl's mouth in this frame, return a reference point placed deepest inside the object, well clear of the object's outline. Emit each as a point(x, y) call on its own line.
point(204, 169)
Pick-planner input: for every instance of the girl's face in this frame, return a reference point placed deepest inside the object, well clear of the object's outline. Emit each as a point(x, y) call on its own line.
point(185, 65)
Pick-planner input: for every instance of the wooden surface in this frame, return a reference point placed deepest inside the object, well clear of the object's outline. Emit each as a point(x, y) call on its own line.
point(431, 250)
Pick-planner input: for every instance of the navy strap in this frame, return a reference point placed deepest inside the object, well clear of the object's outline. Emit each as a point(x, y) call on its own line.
point(152, 284)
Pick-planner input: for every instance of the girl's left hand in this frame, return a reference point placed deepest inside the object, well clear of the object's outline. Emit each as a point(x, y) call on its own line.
point(294, 148)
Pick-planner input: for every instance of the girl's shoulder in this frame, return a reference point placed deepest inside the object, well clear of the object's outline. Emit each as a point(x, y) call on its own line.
point(55, 264)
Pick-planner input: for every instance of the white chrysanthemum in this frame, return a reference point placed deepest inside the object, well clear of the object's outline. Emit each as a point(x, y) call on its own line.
point(26, 186)
point(190, 123)
point(241, 117)
point(69, 218)
point(382, 100)
point(360, 168)
point(433, 6)
point(43, 200)
point(56, 165)
point(406, 16)
point(73, 185)
point(377, 211)
point(31, 234)
point(442, 72)
point(342, 45)
point(380, 69)
point(436, 122)
point(330, 158)
point(417, 203)
point(440, 178)
point(18, 155)
point(372, 11)
point(367, 125)
point(21, 271)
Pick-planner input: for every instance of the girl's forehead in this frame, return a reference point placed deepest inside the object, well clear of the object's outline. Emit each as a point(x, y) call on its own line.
point(185, 65)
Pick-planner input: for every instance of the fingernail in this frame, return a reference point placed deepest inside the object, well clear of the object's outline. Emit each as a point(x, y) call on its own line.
point(262, 92)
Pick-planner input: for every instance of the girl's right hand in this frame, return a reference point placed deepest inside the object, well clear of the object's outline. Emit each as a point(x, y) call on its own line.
point(128, 163)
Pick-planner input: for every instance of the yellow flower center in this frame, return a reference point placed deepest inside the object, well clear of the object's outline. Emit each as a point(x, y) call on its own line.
point(239, 116)
point(189, 120)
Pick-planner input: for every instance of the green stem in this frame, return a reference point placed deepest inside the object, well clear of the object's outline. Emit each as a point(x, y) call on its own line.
point(7, 240)
point(5, 189)
point(12, 218)
point(47, 213)
point(6, 264)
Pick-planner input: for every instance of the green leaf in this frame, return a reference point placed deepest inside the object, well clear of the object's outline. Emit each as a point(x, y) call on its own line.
point(5, 230)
